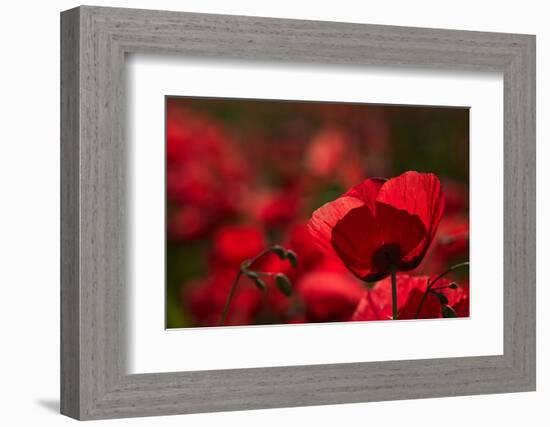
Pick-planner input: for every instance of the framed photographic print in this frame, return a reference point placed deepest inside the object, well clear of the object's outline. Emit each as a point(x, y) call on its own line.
point(262, 213)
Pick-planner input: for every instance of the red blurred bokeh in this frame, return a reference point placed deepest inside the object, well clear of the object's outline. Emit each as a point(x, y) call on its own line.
point(244, 175)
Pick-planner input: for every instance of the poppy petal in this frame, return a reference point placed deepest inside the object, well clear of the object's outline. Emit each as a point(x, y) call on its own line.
point(416, 193)
point(356, 238)
point(399, 230)
point(326, 217)
point(376, 303)
point(367, 191)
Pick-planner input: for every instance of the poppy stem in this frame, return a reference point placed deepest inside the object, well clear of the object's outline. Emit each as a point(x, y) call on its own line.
point(245, 265)
point(245, 269)
point(433, 282)
point(265, 274)
point(393, 270)
point(230, 297)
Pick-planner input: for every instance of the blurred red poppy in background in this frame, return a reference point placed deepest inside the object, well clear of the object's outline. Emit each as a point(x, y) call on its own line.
point(381, 224)
point(205, 172)
point(232, 244)
point(329, 296)
point(205, 299)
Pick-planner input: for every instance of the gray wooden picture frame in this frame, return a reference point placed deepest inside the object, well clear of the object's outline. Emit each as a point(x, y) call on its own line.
point(94, 41)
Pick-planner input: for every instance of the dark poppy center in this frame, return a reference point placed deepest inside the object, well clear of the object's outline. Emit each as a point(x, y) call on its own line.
point(387, 255)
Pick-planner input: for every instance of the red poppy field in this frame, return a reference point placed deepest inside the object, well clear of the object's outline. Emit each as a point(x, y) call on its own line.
point(284, 212)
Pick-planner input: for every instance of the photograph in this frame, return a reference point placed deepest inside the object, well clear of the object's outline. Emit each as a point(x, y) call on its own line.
point(297, 212)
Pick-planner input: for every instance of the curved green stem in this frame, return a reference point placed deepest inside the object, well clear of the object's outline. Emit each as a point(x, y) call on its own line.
point(249, 262)
point(244, 267)
point(265, 273)
point(424, 296)
point(229, 298)
point(450, 270)
point(433, 282)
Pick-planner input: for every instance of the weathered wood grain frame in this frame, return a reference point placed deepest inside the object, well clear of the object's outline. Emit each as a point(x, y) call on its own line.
point(94, 41)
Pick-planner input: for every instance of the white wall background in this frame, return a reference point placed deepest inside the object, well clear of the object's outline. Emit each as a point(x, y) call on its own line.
point(29, 213)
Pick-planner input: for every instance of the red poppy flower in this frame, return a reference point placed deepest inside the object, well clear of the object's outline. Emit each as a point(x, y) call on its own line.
point(381, 224)
point(376, 303)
